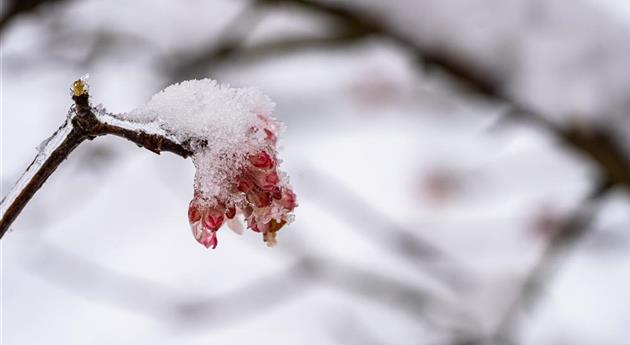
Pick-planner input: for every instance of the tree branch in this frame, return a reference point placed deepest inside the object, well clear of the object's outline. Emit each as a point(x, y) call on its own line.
point(82, 124)
point(403, 241)
point(595, 143)
point(566, 238)
point(191, 64)
point(16, 8)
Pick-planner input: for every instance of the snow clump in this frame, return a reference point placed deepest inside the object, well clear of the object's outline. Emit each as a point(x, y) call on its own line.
point(233, 139)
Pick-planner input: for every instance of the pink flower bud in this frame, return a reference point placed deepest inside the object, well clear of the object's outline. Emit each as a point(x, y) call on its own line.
point(193, 213)
point(289, 200)
point(276, 193)
point(259, 227)
point(205, 237)
point(259, 198)
point(232, 139)
point(255, 191)
point(230, 212)
point(209, 239)
point(266, 181)
point(254, 227)
point(262, 160)
point(213, 219)
point(244, 184)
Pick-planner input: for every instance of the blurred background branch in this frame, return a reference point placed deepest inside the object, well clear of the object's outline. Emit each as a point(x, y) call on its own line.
point(378, 107)
point(565, 240)
point(14, 8)
point(594, 143)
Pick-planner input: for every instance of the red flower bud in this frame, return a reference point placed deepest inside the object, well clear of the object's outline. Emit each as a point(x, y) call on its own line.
point(258, 227)
point(262, 160)
point(213, 220)
point(230, 212)
point(259, 198)
point(205, 237)
point(276, 193)
point(256, 191)
point(244, 185)
point(266, 181)
point(289, 200)
point(209, 240)
point(193, 213)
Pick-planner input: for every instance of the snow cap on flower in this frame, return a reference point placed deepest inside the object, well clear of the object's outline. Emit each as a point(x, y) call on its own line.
point(233, 138)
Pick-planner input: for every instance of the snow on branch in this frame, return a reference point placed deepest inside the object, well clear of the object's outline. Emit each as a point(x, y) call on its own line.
point(228, 132)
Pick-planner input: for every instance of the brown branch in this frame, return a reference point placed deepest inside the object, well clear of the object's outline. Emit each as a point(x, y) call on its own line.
point(85, 125)
point(37, 180)
point(90, 126)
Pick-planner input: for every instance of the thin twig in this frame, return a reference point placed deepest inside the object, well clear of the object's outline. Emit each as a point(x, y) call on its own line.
point(146, 297)
point(566, 238)
point(82, 276)
point(192, 64)
point(404, 241)
point(82, 124)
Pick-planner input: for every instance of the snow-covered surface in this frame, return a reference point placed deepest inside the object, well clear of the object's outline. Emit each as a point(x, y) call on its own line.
point(217, 120)
point(103, 253)
point(233, 140)
point(204, 109)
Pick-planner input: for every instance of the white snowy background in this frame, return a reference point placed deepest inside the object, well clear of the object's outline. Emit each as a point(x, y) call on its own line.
point(382, 154)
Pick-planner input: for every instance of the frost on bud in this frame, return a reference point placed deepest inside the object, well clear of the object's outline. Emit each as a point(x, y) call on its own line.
point(261, 160)
point(233, 138)
point(255, 189)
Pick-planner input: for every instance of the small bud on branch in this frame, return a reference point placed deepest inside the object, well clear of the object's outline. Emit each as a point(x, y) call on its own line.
point(233, 177)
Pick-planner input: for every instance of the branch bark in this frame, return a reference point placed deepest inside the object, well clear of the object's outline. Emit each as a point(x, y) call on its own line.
point(82, 124)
